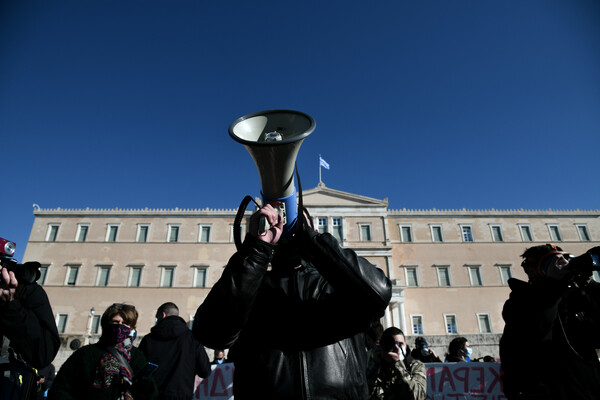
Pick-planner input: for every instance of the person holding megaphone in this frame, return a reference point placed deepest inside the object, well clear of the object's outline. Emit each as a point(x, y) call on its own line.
point(296, 308)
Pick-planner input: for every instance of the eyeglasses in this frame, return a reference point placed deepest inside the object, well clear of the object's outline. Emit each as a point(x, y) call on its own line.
point(399, 344)
point(121, 306)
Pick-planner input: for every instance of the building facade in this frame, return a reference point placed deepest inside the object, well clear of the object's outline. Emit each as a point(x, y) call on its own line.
point(449, 268)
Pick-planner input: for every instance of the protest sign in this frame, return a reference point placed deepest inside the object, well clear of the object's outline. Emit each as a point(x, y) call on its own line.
point(464, 381)
point(218, 386)
point(445, 381)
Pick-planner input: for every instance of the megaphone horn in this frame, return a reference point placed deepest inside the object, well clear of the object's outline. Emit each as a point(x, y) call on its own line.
point(273, 139)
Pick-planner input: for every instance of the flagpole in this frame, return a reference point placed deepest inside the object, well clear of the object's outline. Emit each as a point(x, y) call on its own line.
point(320, 181)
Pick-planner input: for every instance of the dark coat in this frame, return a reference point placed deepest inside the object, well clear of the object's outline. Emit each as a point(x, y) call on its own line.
point(75, 378)
point(297, 332)
point(429, 358)
point(171, 345)
point(29, 323)
point(548, 345)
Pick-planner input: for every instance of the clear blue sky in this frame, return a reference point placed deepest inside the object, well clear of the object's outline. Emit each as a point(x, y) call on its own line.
point(431, 104)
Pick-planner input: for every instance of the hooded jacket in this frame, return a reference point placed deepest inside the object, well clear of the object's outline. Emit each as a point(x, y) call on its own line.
point(296, 332)
point(171, 345)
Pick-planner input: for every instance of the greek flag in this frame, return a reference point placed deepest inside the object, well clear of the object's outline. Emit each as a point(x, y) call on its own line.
point(323, 163)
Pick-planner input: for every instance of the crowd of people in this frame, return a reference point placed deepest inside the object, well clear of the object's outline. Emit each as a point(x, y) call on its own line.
point(303, 322)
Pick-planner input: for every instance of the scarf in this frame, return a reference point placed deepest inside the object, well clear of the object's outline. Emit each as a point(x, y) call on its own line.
point(110, 371)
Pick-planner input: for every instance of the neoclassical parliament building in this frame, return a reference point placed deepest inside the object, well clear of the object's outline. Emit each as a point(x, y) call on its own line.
point(449, 268)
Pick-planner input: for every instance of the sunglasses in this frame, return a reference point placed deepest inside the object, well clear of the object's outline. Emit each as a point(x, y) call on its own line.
point(121, 306)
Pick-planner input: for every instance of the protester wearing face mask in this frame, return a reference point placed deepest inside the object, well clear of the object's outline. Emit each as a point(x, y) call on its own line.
point(112, 369)
point(459, 350)
point(219, 357)
point(423, 353)
point(395, 374)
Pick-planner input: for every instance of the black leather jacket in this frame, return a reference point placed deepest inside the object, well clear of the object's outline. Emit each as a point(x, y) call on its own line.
point(297, 333)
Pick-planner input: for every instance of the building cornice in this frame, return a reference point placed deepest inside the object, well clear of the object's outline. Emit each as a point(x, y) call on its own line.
point(70, 212)
point(153, 212)
point(493, 212)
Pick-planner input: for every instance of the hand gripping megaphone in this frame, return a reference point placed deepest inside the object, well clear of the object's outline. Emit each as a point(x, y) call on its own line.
point(273, 139)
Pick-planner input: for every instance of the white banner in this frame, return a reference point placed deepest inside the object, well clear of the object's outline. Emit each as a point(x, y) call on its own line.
point(445, 381)
point(464, 381)
point(218, 386)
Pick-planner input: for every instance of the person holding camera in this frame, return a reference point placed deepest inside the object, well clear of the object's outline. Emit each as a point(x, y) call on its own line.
point(28, 334)
point(297, 308)
point(394, 373)
point(552, 327)
point(26, 317)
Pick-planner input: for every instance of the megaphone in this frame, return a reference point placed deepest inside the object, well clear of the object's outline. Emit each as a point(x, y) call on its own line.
point(273, 139)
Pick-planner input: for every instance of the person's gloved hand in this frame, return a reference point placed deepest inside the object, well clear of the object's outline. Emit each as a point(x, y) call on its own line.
point(273, 234)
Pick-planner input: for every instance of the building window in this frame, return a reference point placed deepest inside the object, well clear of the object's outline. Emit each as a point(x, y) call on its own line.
point(52, 232)
point(485, 325)
point(436, 233)
point(365, 232)
point(555, 235)
point(411, 276)
point(322, 225)
point(82, 230)
point(135, 276)
point(61, 322)
point(406, 233)
point(584, 235)
point(199, 277)
point(43, 274)
point(167, 277)
point(417, 324)
point(505, 273)
point(451, 327)
point(142, 233)
point(111, 232)
point(103, 275)
point(526, 234)
point(475, 275)
point(173, 233)
point(72, 272)
point(497, 233)
point(205, 233)
point(467, 233)
point(95, 324)
point(443, 276)
point(338, 232)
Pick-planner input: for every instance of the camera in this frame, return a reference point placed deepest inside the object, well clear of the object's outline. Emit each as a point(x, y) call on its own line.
point(7, 248)
point(586, 263)
point(25, 273)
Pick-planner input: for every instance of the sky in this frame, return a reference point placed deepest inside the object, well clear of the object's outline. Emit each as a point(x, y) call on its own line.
point(431, 104)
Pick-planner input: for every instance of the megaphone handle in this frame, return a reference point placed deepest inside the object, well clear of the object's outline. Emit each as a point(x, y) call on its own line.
point(263, 225)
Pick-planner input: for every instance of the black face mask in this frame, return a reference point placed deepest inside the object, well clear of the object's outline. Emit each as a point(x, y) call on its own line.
point(114, 334)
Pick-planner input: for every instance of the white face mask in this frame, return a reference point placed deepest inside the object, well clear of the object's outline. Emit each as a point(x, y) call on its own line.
point(402, 353)
point(469, 352)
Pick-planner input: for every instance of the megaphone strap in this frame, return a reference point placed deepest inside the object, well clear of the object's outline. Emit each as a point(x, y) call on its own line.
point(300, 221)
point(237, 230)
